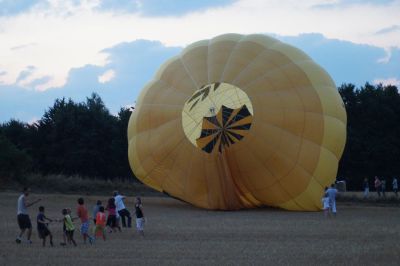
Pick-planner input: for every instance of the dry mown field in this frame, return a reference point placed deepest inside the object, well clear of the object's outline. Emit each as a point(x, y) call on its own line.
point(179, 234)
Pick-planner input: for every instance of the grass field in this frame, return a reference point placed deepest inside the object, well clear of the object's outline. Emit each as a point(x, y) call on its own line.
point(179, 234)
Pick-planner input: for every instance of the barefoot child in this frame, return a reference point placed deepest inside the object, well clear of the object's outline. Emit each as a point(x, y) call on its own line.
point(83, 214)
point(69, 226)
point(42, 227)
point(139, 216)
point(100, 229)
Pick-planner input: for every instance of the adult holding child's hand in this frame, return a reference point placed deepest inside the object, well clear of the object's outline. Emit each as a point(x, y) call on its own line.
point(24, 221)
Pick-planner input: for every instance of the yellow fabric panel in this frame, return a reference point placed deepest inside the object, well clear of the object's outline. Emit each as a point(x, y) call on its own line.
point(277, 142)
point(309, 200)
point(326, 169)
point(241, 56)
point(219, 52)
point(195, 184)
point(194, 58)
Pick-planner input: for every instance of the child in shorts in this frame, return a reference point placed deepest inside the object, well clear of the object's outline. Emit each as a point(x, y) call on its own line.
point(42, 227)
point(83, 214)
point(69, 226)
point(100, 229)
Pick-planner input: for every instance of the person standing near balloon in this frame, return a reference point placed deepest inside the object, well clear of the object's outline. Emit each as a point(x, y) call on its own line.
point(121, 209)
point(366, 188)
point(378, 186)
point(325, 204)
point(383, 187)
point(395, 186)
point(139, 216)
point(332, 192)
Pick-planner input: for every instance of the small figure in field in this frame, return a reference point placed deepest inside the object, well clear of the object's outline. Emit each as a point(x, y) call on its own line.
point(64, 230)
point(117, 221)
point(121, 209)
point(96, 209)
point(378, 186)
point(83, 214)
point(112, 215)
point(24, 222)
point(100, 229)
point(383, 185)
point(395, 186)
point(332, 192)
point(325, 204)
point(366, 188)
point(42, 227)
point(69, 226)
point(140, 220)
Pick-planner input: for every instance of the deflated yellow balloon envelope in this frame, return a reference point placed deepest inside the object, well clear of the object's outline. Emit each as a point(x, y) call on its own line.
point(239, 121)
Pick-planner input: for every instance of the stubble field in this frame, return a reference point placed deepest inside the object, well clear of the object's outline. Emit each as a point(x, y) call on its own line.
point(179, 234)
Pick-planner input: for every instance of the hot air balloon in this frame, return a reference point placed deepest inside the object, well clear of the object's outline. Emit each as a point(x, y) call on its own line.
point(239, 121)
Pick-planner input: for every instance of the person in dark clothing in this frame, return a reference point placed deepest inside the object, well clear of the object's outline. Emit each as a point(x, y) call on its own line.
point(139, 216)
point(42, 227)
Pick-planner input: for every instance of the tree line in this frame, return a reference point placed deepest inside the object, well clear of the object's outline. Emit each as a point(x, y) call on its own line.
point(72, 138)
point(85, 139)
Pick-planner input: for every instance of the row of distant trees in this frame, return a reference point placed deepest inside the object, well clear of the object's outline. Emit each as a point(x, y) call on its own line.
point(373, 133)
point(85, 139)
point(71, 138)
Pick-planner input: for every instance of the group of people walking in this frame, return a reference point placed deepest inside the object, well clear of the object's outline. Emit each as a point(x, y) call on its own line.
point(380, 186)
point(115, 207)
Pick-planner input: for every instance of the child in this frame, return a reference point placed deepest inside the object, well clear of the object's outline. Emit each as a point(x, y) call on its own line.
point(112, 215)
point(139, 216)
point(69, 226)
point(82, 213)
point(100, 229)
point(64, 230)
point(96, 210)
point(326, 205)
point(42, 226)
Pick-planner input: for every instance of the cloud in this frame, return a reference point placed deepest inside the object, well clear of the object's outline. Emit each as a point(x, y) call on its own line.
point(70, 34)
point(136, 62)
point(160, 7)
point(345, 61)
point(23, 46)
point(106, 76)
point(390, 29)
point(25, 74)
point(13, 7)
point(388, 81)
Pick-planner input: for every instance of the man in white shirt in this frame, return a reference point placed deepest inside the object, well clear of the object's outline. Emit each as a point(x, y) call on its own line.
point(24, 221)
point(121, 209)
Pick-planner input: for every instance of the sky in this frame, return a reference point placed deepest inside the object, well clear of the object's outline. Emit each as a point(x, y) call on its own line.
point(70, 48)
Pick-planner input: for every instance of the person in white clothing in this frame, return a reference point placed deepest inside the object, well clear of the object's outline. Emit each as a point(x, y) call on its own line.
point(332, 192)
point(395, 186)
point(121, 209)
point(325, 204)
point(24, 221)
